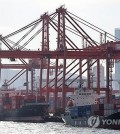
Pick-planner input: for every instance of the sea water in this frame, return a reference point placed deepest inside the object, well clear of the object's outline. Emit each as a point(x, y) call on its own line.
point(48, 128)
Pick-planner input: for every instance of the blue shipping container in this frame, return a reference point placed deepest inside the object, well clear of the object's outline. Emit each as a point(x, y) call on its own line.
point(73, 113)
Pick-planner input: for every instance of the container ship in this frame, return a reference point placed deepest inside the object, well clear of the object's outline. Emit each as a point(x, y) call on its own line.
point(85, 110)
point(22, 108)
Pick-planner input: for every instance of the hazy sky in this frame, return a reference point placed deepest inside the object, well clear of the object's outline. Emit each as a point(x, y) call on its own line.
point(15, 14)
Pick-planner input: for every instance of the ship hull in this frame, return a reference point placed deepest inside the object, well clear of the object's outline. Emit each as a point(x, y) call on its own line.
point(81, 122)
point(33, 119)
point(110, 122)
point(34, 112)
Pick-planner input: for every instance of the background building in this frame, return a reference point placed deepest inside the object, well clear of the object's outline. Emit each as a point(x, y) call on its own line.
point(102, 75)
point(117, 63)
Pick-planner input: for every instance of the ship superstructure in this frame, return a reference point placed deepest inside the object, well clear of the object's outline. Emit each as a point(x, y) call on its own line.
point(83, 97)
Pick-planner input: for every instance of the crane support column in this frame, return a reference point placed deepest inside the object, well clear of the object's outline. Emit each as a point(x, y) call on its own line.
point(27, 83)
point(98, 76)
point(45, 61)
point(62, 47)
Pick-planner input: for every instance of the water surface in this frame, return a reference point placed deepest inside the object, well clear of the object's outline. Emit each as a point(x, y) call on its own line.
point(48, 128)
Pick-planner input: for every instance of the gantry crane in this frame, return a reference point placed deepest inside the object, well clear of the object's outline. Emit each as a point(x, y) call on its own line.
point(66, 42)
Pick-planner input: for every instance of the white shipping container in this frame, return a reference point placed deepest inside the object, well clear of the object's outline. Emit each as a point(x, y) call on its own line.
point(108, 112)
point(108, 106)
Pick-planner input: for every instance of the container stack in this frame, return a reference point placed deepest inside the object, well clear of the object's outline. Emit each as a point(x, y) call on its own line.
point(84, 110)
point(16, 101)
point(103, 110)
point(98, 109)
point(117, 108)
point(80, 111)
point(74, 112)
point(6, 101)
point(108, 109)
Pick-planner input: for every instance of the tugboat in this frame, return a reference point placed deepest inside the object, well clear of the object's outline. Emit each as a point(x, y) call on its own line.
point(21, 108)
point(84, 110)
